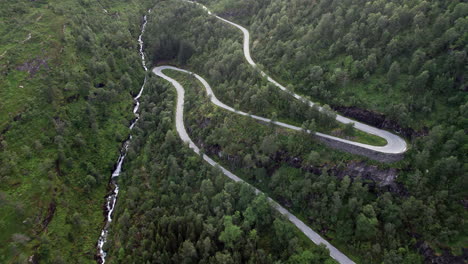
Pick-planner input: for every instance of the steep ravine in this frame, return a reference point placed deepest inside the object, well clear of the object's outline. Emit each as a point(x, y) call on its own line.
point(111, 198)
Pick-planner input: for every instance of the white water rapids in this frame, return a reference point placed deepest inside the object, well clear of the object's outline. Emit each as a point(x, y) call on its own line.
point(112, 198)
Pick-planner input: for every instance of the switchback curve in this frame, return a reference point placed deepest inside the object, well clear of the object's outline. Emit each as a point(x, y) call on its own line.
point(180, 127)
point(395, 144)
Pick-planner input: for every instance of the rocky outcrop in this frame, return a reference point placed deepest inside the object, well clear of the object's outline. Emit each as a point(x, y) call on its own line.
point(378, 120)
point(50, 214)
point(379, 180)
point(371, 154)
point(382, 177)
point(446, 257)
point(33, 66)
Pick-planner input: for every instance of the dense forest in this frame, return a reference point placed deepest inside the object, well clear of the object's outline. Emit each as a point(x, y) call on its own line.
point(70, 69)
point(235, 82)
point(425, 210)
point(174, 208)
point(405, 59)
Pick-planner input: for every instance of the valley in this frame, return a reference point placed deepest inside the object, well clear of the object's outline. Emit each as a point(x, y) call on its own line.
point(220, 131)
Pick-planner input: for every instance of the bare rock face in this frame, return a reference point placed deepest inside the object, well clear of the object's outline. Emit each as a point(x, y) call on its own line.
point(380, 180)
point(33, 259)
point(371, 154)
point(446, 257)
point(33, 66)
point(381, 177)
point(378, 120)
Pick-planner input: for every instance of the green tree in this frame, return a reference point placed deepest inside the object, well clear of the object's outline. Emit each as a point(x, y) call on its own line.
point(316, 73)
point(231, 233)
point(126, 82)
point(188, 253)
point(366, 227)
point(417, 61)
point(349, 129)
point(284, 233)
point(304, 257)
point(89, 183)
point(313, 158)
point(269, 145)
point(393, 73)
point(371, 62)
point(185, 52)
point(420, 82)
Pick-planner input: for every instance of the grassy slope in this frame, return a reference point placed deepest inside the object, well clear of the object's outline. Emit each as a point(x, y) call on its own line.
point(34, 183)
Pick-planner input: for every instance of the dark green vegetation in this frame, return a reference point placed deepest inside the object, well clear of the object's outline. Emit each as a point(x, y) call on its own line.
point(368, 223)
point(175, 208)
point(65, 105)
point(68, 69)
point(243, 141)
point(287, 167)
point(218, 57)
point(406, 59)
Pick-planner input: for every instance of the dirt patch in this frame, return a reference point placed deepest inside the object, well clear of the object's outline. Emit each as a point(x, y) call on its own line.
point(33, 66)
point(50, 215)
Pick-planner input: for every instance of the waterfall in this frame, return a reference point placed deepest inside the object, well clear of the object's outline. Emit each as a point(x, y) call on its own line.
point(111, 199)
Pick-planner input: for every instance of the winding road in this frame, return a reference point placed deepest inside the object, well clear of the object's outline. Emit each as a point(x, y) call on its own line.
point(395, 144)
point(180, 127)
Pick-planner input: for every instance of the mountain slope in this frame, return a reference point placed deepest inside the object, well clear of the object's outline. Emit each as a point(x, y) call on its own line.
point(69, 68)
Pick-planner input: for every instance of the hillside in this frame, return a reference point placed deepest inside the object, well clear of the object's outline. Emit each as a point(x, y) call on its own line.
point(68, 70)
point(425, 209)
point(256, 163)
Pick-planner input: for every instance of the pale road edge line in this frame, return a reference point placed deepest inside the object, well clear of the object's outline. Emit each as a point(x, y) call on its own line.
point(180, 127)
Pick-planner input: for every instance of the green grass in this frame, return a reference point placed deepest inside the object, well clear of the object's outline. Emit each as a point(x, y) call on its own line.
point(33, 182)
point(44, 44)
point(367, 138)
